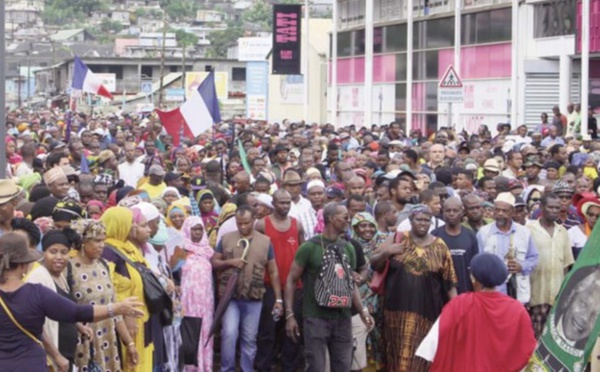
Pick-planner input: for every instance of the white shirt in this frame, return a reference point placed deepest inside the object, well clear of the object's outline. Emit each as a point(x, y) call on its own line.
point(131, 173)
point(23, 170)
point(303, 206)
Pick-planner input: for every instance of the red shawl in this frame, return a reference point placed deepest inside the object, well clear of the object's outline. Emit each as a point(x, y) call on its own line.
point(483, 331)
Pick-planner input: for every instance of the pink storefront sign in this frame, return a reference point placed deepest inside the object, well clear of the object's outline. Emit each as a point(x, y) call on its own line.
point(352, 70)
point(594, 26)
point(479, 62)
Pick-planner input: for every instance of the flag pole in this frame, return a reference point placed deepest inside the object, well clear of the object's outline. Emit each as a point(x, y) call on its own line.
point(585, 65)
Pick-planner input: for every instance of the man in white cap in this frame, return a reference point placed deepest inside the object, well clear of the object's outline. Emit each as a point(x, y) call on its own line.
point(511, 242)
point(264, 206)
point(315, 193)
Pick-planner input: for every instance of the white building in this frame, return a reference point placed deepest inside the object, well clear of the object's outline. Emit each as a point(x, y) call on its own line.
point(547, 62)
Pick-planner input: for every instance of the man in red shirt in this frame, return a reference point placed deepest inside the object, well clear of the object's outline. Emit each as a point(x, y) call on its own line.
point(286, 235)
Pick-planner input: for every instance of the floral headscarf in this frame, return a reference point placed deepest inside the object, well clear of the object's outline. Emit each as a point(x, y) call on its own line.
point(88, 228)
point(363, 217)
point(370, 245)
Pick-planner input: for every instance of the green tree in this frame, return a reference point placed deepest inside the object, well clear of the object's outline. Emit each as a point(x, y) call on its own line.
point(260, 13)
point(221, 40)
point(178, 10)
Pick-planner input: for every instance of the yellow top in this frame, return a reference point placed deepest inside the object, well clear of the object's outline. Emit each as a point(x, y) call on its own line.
point(119, 221)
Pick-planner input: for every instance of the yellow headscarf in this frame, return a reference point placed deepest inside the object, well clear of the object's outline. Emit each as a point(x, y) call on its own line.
point(172, 208)
point(227, 211)
point(118, 222)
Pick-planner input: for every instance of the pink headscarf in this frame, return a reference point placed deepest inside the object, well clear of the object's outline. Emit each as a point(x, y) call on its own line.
point(200, 250)
point(320, 226)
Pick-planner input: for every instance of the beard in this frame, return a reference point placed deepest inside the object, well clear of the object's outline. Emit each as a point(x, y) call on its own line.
point(502, 222)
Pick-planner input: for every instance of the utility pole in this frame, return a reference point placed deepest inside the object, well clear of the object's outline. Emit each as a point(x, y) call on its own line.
point(2, 89)
point(19, 81)
point(28, 74)
point(162, 60)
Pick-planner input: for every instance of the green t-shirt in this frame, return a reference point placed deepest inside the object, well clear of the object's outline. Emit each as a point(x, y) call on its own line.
point(310, 257)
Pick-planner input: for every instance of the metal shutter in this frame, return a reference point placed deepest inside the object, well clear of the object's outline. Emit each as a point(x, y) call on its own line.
point(541, 94)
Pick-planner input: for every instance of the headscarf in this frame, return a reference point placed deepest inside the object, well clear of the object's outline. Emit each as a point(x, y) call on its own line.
point(55, 237)
point(368, 245)
point(526, 194)
point(183, 203)
point(204, 194)
point(170, 189)
point(45, 224)
point(149, 211)
point(172, 209)
point(418, 209)
point(88, 229)
point(582, 207)
point(67, 211)
point(209, 220)
point(227, 212)
point(130, 201)
point(96, 203)
point(118, 222)
point(201, 249)
point(162, 235)
point(159, 202)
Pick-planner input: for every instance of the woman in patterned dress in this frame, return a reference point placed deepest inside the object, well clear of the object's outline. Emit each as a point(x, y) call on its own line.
point(89, 277)
point(364, 230)
point(419, 282)
point(197, 298)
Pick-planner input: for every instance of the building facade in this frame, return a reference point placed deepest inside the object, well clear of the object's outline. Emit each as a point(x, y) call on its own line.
point(547, 62)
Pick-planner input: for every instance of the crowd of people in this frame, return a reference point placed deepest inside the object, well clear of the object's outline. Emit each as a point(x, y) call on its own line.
point(287, 246)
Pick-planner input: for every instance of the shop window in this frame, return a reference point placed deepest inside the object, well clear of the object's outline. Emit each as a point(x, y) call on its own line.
point(395, 38)
point(344, 40)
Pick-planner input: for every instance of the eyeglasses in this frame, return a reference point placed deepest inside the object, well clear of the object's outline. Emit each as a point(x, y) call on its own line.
point(535, 200)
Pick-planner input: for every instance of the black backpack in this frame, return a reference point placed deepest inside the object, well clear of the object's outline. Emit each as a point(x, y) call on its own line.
point(334, 285)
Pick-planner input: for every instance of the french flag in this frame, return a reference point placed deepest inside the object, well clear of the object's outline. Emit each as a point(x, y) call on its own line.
point(85, 80)
point(196, 115)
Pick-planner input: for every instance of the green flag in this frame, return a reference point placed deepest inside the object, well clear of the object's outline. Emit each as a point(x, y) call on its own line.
point(572, 327)
point(244, 157)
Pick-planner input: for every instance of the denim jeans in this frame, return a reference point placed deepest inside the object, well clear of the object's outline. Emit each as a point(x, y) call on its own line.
point(333, 335)
point(272, 336)
point(242, 316)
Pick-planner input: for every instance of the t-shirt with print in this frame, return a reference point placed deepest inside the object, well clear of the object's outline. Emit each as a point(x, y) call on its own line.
point(310, 257)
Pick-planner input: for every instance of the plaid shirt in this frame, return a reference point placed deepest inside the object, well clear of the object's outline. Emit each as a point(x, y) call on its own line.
point(306, 214)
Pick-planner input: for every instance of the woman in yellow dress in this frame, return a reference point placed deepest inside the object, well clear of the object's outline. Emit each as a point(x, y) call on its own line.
point(128, 282)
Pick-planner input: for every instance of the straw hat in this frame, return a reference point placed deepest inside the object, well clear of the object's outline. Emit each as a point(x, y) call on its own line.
point(8, 190)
